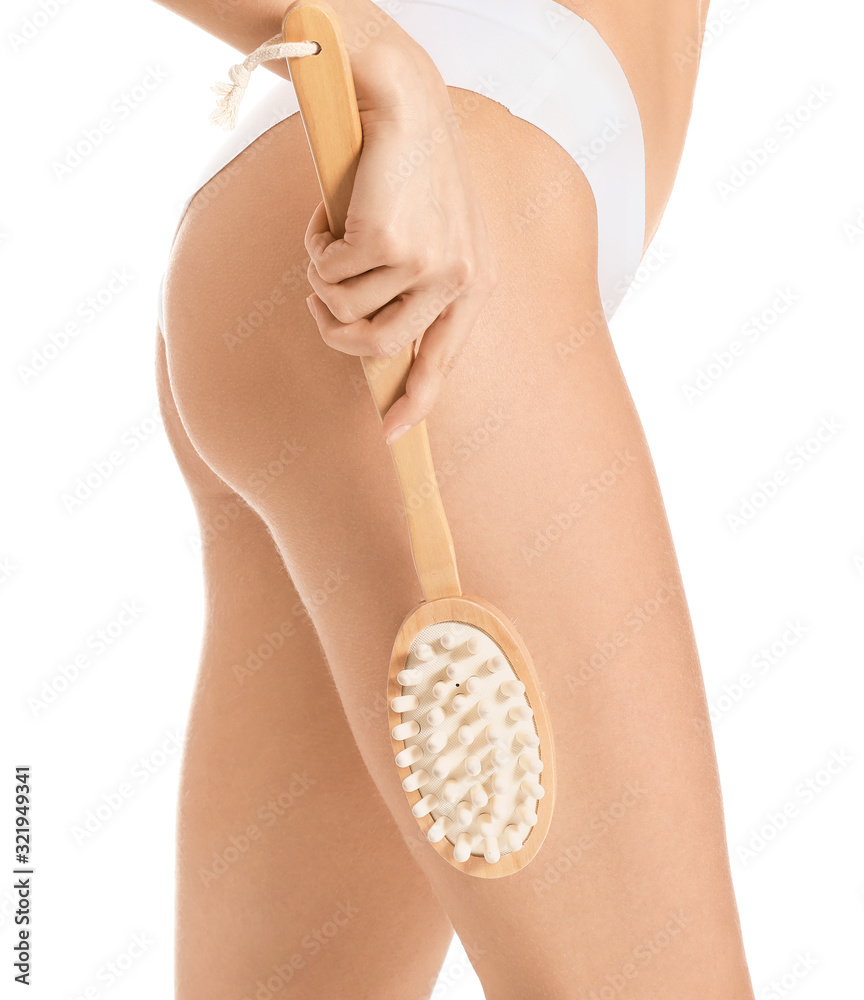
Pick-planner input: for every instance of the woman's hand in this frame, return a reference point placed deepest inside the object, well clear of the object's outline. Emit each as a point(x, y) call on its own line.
point(415, 259)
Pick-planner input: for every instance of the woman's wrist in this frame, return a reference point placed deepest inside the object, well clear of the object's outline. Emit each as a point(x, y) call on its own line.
point(389, 67)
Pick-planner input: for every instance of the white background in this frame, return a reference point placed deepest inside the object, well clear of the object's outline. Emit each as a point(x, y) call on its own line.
point(796, 225)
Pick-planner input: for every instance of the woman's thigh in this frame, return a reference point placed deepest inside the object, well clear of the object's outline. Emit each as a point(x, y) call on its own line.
point(282, 837)
point(556, 518)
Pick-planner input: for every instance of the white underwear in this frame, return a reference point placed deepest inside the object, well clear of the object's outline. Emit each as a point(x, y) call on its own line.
point(546, 65)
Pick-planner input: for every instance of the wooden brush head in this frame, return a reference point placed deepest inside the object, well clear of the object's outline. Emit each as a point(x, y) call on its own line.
point(480, 700)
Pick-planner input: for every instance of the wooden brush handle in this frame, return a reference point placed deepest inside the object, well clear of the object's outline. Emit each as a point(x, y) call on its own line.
point(328, 107)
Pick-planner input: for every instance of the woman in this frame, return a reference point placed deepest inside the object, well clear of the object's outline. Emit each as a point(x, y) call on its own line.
point(507, 244)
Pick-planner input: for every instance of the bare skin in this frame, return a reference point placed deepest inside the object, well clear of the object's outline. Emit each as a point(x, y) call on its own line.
point(280, 445)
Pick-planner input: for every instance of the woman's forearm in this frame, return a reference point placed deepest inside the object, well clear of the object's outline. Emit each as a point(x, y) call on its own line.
point(245, 24)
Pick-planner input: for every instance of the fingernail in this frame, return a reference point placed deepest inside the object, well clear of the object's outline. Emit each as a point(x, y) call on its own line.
point(311, 304)
point(397, 432)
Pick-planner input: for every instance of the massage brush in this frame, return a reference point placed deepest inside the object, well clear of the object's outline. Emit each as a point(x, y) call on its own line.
point(468, 723)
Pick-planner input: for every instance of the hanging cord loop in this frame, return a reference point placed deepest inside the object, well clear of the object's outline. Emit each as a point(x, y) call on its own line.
point(231, 94)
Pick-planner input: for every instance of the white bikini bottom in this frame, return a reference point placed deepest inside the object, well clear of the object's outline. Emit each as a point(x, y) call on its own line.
point(546, 65)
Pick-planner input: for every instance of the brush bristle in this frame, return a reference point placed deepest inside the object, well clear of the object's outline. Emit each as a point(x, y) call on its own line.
point(475, 752)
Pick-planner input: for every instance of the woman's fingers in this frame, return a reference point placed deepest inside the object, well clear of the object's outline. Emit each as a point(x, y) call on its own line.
point(361, 295)
point(335, 260)
point(360, 274)
point(385, 333)
point(442, 316)
point(437, 355)
point(414, 262)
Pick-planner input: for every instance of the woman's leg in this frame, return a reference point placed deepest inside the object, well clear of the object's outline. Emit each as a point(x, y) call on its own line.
point(557, 519)
point(292, 879)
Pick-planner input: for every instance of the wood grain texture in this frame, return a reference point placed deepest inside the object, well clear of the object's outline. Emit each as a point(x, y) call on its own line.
point(328, 104)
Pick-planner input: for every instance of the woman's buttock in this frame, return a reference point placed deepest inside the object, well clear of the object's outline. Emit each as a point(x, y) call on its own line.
point(249, 367)
point(238, 264)
point(241, 343)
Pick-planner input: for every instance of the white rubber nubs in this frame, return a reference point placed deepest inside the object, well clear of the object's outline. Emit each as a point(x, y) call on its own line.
point(462, 848)
point(478, 795)
point(491, 851)
point(409, 678)
point(512, 689)
point(434, 718)
point(435, 743)
point(512, 838)
point(470, 743)
point(425, 805)
point(464, 813)
point(533, 789)
point(531, 763)
point(409, 756)
point(441, 768)
point(439, 828)
point(405, 729)
point(450, 791)
point(415, 780)
point(525, 813)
